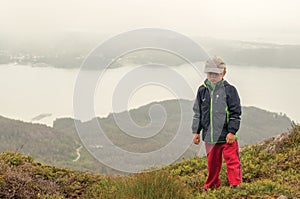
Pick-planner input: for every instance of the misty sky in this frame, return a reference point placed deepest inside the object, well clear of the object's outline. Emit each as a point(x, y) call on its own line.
point(266, 20)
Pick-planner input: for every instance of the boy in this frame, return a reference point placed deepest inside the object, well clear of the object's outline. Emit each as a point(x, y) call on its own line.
point(217, 112)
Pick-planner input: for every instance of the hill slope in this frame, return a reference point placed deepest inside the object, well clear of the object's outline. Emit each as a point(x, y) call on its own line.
point(58, 145)
point(270, 169)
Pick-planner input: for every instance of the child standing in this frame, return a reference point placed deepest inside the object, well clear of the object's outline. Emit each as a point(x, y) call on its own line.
point(217, 112)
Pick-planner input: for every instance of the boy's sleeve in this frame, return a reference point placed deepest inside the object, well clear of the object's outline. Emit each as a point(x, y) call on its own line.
point(196, 125)
point(235, 110)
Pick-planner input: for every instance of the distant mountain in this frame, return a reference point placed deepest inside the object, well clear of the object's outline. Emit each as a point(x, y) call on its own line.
point(60, 145)
point(70, 50)
point(243, 53)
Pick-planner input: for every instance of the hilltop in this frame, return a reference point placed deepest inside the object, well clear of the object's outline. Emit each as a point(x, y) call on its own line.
point(270, 169)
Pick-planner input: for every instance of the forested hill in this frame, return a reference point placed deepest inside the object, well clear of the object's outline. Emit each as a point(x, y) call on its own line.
point(61, 145)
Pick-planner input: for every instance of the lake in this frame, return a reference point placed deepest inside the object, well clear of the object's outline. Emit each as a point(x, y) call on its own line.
point(28, 92)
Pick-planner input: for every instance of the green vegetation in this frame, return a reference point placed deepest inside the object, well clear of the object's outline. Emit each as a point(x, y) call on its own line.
point(270, 169)
point(21, 177)
point(57, 145)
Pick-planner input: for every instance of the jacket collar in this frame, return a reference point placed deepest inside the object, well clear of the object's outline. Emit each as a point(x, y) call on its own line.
point(207, 84)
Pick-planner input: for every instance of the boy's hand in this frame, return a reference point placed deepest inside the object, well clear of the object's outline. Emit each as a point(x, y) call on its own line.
point(230, 138)
point(196, 138)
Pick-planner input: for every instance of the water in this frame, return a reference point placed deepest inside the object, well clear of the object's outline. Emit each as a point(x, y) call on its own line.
point(273, 89)
point(27, 92)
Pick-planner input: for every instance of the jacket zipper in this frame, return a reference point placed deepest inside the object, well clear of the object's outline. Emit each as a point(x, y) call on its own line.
point(211, 116)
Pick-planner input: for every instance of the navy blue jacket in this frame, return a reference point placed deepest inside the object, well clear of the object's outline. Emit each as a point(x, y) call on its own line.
point(216, 112)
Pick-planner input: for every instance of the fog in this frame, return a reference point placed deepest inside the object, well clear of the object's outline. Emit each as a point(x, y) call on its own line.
point(274, 21)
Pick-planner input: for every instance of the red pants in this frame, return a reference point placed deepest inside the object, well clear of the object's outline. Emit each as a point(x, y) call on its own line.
point(230, 153)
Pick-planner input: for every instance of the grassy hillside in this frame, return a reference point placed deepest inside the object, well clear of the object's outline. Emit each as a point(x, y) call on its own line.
point(270, 169)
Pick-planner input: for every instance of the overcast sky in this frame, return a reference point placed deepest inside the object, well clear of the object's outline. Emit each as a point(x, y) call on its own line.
point(266, 20)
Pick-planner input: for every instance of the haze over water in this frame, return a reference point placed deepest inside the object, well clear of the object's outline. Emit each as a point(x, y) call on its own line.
point(27, 92)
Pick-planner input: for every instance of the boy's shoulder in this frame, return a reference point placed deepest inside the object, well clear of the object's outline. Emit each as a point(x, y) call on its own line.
point(230, 89)
point(202, 87)
point(228, 85)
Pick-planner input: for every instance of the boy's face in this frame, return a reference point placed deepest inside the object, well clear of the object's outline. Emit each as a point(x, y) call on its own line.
point(215, 77)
